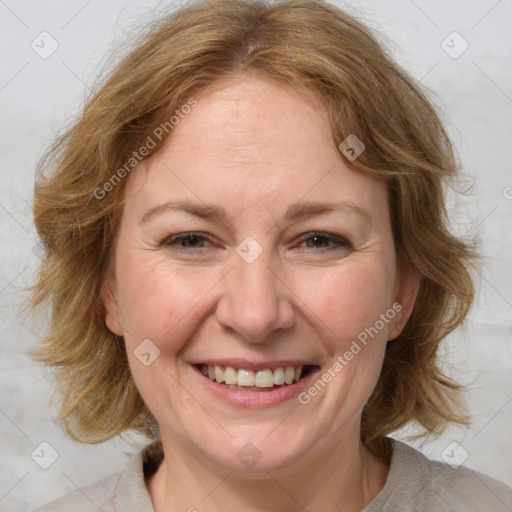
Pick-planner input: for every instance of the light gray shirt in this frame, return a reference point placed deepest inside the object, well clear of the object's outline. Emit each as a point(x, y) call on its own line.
point(414, 484)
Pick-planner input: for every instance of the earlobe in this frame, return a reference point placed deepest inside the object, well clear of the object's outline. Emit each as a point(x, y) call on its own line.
point(406, 295)
point(110, 307)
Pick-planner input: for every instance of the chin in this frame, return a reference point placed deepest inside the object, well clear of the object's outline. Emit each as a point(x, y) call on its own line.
point(254, 452)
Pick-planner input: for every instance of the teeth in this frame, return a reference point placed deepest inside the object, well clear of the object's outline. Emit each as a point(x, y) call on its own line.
point(245, 378)
point(289, 374)
point(279, 376)
point(219, 374)
point(230, 375)
point(262, 379)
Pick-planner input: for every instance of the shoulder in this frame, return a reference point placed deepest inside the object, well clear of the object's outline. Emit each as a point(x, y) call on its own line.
point(122, 491)
point(421, 485)
point(99, 495)
point(464, 485)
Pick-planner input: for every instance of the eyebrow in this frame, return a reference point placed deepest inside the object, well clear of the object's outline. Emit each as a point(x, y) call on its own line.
point(297, 211)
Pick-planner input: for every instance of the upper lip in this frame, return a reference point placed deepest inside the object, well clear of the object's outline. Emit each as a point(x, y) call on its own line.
point(253, 365)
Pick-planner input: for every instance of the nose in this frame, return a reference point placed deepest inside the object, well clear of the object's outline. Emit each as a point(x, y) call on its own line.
point(255, 301)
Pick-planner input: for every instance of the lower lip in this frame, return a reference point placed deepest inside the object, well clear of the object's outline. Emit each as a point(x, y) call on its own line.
point(255, 399)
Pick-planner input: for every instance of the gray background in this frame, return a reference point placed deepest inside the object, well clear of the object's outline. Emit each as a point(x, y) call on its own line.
point(37, 96)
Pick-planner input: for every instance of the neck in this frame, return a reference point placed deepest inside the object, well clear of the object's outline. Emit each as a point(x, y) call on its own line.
point(341, 478)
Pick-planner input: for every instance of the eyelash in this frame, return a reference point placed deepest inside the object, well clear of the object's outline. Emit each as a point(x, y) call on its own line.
point(176, 239)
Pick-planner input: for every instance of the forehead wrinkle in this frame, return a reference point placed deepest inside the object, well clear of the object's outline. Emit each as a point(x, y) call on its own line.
point(295, 212)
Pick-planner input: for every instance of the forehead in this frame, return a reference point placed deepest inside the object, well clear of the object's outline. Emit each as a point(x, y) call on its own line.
point(252, 143)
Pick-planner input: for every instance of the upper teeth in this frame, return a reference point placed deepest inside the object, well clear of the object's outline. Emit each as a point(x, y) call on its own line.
point(262, 379)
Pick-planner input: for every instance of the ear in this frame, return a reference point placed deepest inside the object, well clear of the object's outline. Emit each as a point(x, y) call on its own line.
point(406, 292)
point(111, 308)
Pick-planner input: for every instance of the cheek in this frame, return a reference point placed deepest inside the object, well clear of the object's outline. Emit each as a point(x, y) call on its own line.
point(167, 303)
point(347, 300)
point(160, 301)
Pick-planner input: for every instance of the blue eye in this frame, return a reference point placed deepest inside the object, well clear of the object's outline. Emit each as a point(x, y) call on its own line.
point(190, 242)
point(335, 242)
point(187, 241)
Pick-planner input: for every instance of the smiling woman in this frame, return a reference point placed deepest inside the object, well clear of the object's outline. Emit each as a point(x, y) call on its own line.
point(264, 293)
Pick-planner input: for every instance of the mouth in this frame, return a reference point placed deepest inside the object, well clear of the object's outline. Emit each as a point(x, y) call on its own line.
point(255, 380)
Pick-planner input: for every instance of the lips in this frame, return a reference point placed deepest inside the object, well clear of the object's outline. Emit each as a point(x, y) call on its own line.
point(251, 395)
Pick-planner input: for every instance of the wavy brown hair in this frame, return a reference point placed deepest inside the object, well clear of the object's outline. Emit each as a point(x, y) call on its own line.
point(312, 46)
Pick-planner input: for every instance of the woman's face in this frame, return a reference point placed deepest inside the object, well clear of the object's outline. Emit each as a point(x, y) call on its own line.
point(291, 264)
